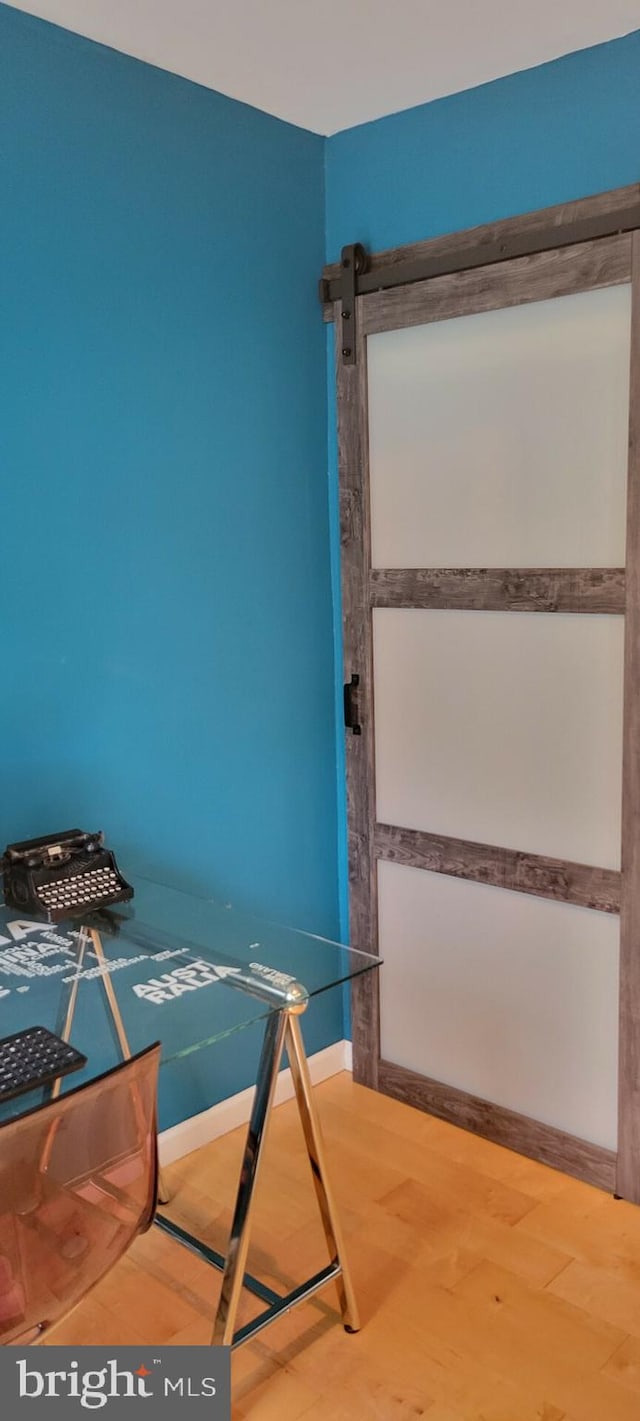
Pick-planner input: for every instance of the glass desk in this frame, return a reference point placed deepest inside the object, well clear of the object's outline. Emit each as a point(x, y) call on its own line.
point(188, 972)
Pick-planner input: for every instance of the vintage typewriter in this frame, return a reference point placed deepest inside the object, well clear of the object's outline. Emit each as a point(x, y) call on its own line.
point(62, 876)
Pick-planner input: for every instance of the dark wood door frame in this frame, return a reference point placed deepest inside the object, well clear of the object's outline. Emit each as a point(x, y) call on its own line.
point(603, 260)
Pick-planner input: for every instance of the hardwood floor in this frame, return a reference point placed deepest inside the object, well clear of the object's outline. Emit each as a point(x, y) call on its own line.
point(491, 1288)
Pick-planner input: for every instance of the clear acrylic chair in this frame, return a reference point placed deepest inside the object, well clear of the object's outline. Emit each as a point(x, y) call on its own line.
point(78, 1182)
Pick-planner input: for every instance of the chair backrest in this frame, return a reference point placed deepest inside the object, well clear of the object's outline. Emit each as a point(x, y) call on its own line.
point(78, 1182)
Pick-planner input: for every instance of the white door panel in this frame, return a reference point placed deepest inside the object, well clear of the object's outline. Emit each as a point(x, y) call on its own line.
point(506, 996)
point(500, 439)
point(502, 727)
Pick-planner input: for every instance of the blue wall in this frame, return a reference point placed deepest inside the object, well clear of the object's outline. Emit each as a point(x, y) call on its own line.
point(550, 134)
point(165, 599)
point(546, 135)
point(167, 552)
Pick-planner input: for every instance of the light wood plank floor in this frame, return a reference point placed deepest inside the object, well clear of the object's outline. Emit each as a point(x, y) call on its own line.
point(491, 1288)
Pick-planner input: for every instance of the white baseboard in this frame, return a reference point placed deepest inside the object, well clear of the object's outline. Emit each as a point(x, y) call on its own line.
point(200, 1129)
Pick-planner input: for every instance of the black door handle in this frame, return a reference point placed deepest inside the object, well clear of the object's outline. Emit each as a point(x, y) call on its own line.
point(351, 712)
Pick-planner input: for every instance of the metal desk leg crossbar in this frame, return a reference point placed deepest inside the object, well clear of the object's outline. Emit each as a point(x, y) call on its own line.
point(282, 1032)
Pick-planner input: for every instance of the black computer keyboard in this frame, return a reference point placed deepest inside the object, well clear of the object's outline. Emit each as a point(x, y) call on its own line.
point(33, 1058)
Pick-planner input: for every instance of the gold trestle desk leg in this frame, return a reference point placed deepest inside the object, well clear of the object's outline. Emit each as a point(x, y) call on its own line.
point(315, 1149)
point(71, 1005)
point(65, 1033)
point(236, 1259)
point(282, 1028)
point(164, 1194)
point(112, 1000)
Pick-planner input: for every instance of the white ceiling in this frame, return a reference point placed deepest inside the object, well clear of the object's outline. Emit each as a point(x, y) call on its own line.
point(335, 63)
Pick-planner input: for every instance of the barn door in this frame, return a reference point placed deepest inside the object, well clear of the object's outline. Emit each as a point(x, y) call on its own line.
point(489, 507)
